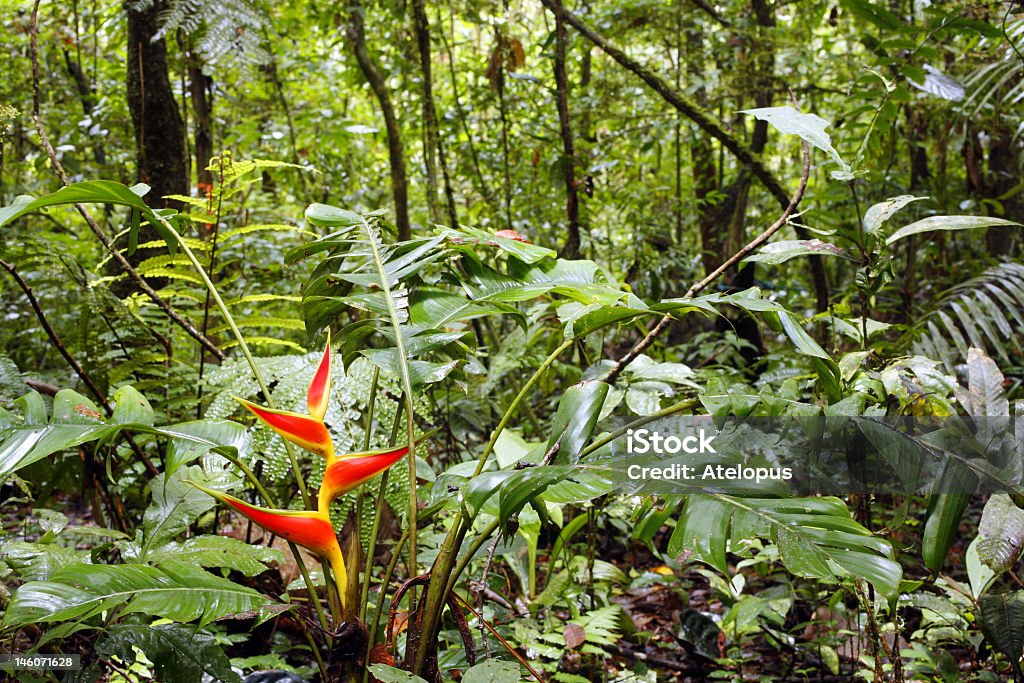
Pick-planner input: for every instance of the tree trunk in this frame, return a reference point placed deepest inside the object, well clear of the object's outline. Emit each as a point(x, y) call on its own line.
point(161, 159)
point(159, 130)
point(201, 90)
point(396, 152)
point(432, 141)
point(708, 123)
point(571, 248)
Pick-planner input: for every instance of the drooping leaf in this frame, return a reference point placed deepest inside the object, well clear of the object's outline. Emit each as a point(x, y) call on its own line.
point(810, 128)
point(492, 671)
point(780, 252)
point(1002, 621)
point(933, 223)
point(574, 422)
point(879, 213)
point(816, 537)
point(176, 505)
point(390, 674)
point(175, 591)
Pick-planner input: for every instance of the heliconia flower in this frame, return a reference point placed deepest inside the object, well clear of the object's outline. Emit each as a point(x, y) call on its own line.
point(350, 470)
point(311, 530)
point(307, 431)
point(320, 386)
point(303, 430)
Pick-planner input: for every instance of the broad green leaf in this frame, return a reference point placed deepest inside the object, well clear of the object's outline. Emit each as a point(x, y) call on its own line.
point(218, 551)
point(390, 674)
point(492, 671)
point(1001, 616)
point(780, 252)
point(191, 440)
point(524, 486)
point(944, 513)
point(816, 537)
point(176, 505)
point(1000, 533)
point(575, 419)
point(874, 13)
point(175, 591)
point(980, 576)
point(180, 654)
point(332, 216)
point(879, 213)
point(810, 128)
point(933, 223)
point(131, 407)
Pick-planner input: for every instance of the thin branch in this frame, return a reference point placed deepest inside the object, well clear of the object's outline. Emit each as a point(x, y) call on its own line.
point(700, 285)
point(691, 109)
point(66, 355)
point(101, 235)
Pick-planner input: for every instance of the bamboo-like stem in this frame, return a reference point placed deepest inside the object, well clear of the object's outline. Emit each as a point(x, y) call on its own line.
point(437, 591)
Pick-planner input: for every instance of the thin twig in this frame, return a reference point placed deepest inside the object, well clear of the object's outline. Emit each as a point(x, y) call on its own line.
point(700, 285)
point(79, 370)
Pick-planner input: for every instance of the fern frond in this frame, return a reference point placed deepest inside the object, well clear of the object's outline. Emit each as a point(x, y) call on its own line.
point(986, 312)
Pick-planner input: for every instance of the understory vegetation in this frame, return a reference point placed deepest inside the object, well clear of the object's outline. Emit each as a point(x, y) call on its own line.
point(330, 330)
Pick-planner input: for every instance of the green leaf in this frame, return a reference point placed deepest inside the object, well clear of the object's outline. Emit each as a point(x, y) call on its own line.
point(389, 674)
point(332, 217)
point(176, 505)
point(879, 213)
point(218, 551)
point(816, 537)
point(945, 511)
point(874, 13)
point(131, 407)
point(191, 440)
point(810, 128)
point(90, 192)
point(524, 486)
point(1000, 533)
point(780, 252)
point(180, 654)
point(492, 671)
point(933, 223)
point(1002, 621)
point(578, 411)
point(175, 591)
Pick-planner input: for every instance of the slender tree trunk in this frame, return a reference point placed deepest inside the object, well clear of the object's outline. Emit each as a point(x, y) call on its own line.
point(86, 96)
point(430, 134)
point(708, 123)
point(161, 159)
point(431, 131)
point(505, 161)
point(201, 90)
point(396, 152)
point(159, 131)
point(485, 192)
point(572, 209)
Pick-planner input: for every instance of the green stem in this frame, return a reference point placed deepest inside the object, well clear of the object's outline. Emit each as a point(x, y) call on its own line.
point(437, 591)
point(403, 368)
point(212, 289)
point(237, 334)
point(467, 557)
point(671, 410)
point(367, 430)
point(516, 401)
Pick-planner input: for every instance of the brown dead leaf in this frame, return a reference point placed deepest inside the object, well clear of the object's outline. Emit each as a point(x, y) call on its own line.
point(575, 635)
